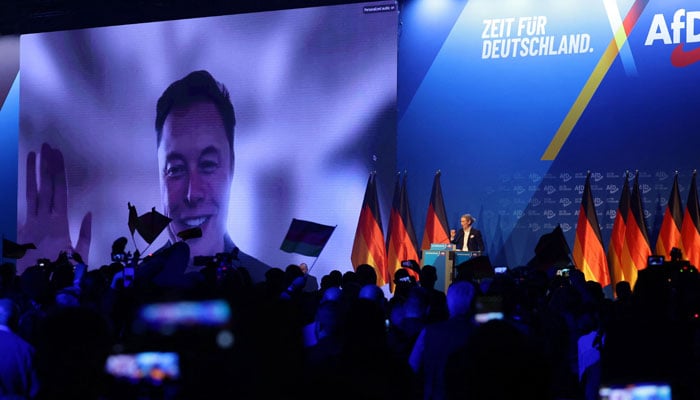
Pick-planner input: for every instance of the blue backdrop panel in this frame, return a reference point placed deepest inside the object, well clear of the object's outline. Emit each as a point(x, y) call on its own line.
point(513, 78)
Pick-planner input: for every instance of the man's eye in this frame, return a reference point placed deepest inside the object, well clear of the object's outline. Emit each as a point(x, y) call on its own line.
point(208, 167)
point(174, 171)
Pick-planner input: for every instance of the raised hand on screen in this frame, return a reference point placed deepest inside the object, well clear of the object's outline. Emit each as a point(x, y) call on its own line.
point(46, 224)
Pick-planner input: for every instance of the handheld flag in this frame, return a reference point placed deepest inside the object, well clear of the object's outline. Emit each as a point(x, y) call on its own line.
point(436, 226)
point(15, 251)
point(133, 218)
point(368, 247)
point(306, 237)
point(151, 224)
point(589, 255)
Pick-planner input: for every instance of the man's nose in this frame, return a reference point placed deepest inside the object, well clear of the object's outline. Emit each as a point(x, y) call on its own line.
point(195, 189)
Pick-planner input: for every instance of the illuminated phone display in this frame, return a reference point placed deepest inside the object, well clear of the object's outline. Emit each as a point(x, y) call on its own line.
point(153, 366)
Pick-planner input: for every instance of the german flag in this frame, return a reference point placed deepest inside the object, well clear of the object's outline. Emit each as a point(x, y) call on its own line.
point(401, 243)
point(368, 247)
point(436, 226)
point(617, 238)
point(636, 251)
point(690, 229)
point(589, 254)
point(670, 232)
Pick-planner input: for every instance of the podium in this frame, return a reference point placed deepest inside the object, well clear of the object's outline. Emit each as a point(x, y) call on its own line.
point(444, 258)
point(438, 257)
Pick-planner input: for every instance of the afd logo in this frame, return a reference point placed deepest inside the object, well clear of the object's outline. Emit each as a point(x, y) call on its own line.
point(549, 214)
point(550, 189)
point(611, 214)
point(612, 189)
point(681, 32)
point(661, 175)
point(565, 227)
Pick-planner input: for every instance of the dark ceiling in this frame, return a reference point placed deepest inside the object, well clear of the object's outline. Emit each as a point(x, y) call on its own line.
point(30, 16)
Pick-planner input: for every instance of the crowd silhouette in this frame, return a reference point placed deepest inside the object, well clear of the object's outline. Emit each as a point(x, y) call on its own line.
point(555, 336)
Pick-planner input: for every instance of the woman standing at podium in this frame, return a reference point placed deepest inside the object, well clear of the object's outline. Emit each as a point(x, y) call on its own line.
point(467, 238)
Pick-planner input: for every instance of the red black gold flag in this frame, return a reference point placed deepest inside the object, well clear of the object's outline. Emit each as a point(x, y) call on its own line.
point(401, 237)
point(368, 247)
point(670, 232)
point(637, 250)
point(589, 255)
point(690, 229)
point(436, 226)
point(617, 238)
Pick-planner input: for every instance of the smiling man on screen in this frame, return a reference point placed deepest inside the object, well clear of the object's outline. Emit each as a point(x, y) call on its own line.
point(195, 124)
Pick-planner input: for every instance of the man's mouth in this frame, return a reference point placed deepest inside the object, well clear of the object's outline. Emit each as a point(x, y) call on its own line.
point(194, 222)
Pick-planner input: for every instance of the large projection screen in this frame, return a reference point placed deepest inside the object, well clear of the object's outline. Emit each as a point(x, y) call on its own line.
point(314, 92)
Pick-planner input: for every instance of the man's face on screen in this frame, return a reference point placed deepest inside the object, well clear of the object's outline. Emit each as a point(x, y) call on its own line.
point(194, 160)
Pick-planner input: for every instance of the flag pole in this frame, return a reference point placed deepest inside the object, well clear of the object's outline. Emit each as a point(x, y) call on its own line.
point(319, 255)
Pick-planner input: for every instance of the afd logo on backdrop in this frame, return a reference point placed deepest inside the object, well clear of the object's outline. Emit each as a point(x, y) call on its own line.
point(534, 177)
point(611, 214)
point(678, 30)
point(661, 175)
